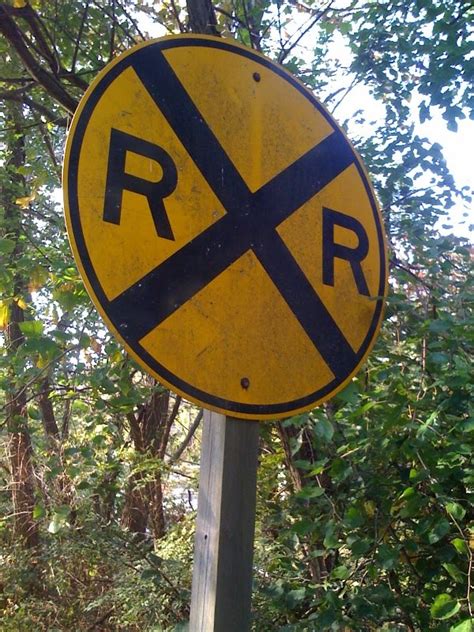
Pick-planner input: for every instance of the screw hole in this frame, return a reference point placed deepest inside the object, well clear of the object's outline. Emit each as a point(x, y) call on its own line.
point(245, 383)
point(256, 76)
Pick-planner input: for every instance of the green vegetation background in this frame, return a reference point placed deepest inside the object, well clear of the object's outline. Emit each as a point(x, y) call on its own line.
point(365, 503)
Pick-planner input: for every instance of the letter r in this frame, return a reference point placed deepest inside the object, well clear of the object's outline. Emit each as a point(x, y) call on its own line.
point(118, 180)
point(332, 250)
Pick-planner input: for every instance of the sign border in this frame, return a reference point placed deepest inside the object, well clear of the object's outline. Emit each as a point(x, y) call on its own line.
point(92, 283)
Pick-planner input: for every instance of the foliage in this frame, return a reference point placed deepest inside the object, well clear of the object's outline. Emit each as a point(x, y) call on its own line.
point(364, 504)
point(90, 577)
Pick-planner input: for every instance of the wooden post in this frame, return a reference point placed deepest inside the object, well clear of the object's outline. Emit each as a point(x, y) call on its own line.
point(223, 550)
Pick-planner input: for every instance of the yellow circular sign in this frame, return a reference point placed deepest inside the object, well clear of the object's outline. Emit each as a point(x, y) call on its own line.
point(224, 227)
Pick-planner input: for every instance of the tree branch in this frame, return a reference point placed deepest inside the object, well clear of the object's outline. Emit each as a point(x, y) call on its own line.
point(192, 429)
point(13, 95)
point(49, 146)
point(20, 80)
point(182, 28)
point(202, 18)
point(32, 19)
point(79, 36)
point(41, 34)
point(53, 87)
point(398, 264)
point(286, 51)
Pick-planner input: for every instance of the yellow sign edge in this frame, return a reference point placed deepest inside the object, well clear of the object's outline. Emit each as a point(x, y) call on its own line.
point(92, 294)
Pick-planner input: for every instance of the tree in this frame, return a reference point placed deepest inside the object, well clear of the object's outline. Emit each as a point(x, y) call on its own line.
point(365, 502)
point(19, 441)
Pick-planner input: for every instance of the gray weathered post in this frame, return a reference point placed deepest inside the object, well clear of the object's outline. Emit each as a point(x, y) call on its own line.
point(223, 555)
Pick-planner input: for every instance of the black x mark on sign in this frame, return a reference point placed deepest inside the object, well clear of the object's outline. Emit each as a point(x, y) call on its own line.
point(249, 224)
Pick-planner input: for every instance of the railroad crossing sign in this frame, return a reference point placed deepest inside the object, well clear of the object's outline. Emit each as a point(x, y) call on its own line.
point(224, 227)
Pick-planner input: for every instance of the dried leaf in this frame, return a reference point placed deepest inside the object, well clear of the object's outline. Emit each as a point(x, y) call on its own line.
point(38, 278)
point(25, 201)
point(4, 314)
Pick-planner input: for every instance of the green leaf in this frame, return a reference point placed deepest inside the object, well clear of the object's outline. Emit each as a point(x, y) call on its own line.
point(318, 467)
point(38, 512)
point(345, 27)
point(155, 559)
point(71, 451)
point(424, 112)
point(437, 357)
point(55, 525)
point(354, 517)
point(466, 426)
point(444, 607)
point(452, 125)
point(358, 546)
point(330, 541)
point(350, 394)
point(412, 506)
point(34, 412)
point(296, 443)
point(456, 510)
point(303, 526)
point(440, 529)
point(310, 492)
point(439, 326)
point(32, 328)
point(324, 429)
point(465, 626)
point(388, 556)
point(454, 572)
point(302, 464)
point(62, 512)
point(340, 572)
point(294, 597)
point(340, 469)
point(296, 422)
point(6, 246)
point(460, 546)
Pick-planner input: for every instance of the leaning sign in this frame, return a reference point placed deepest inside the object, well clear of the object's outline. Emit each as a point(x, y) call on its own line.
point(225, 227)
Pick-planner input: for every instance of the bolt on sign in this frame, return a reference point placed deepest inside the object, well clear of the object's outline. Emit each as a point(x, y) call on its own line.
point(224, 226)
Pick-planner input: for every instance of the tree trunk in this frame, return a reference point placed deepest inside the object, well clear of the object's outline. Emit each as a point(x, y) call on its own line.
point(319, 567)
point(157, 513)
point(20, 451)
point(135, 509)
point(23, 488)
point(47, 411)
point(150, 429)
point(202, 18)
point(19, 444)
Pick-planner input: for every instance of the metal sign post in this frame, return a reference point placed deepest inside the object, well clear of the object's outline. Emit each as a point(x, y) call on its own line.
point(222, 574)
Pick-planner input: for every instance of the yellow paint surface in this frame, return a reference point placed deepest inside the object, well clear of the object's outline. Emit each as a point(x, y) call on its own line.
point(302, 233)
point(238, 326)
point(122, 254)
point(248, 116)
